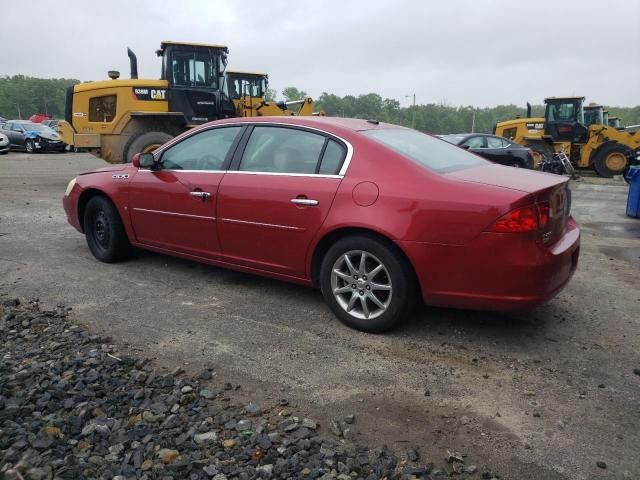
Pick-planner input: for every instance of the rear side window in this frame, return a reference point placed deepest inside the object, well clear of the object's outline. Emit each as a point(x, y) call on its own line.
point(474, 142)
point(282, 150)
point(430, 152)
point(332, 159)
point(102, 109)
point(495, 142)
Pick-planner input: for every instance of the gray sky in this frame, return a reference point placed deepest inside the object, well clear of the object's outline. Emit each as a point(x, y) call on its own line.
point(459, 52)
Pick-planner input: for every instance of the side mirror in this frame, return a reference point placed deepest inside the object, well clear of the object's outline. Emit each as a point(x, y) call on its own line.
point(466, 147)
point(144, 160)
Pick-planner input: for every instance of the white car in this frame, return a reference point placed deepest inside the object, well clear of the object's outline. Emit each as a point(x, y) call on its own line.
point(4, 144)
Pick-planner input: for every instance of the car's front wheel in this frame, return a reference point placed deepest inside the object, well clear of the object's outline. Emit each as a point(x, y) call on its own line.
point(367, 283)
point(29, 146)
point(105, 233)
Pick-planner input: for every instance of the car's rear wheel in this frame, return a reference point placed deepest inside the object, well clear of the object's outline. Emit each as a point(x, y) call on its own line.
point(367, 283)
point(104, 231)
point(29, 146)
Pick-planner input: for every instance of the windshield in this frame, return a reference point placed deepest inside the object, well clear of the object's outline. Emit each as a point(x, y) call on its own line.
point(37, 127)
point(430, 152)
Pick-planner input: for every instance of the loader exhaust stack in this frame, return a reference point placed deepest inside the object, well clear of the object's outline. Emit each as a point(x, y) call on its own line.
point(133, 61)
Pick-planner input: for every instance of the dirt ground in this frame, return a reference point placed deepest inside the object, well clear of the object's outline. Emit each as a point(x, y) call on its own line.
point(538, 395)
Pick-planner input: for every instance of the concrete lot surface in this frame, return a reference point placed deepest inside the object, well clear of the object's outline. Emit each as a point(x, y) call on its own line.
point(538, 395)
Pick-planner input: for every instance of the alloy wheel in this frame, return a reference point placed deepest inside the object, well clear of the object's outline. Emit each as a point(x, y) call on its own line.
point(361, 284)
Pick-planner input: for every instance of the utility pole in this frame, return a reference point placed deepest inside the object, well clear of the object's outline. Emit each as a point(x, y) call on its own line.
point(473, 123)
point(19, 114)
point(413, 110)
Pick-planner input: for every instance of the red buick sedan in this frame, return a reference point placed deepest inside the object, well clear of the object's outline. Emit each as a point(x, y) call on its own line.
point(375, 215)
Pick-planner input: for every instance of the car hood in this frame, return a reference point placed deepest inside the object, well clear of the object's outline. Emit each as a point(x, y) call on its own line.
point(115, 168)
point(46, 135)
point(520, 179)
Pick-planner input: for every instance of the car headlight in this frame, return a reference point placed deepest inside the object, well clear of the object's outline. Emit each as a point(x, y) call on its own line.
point(72, 184)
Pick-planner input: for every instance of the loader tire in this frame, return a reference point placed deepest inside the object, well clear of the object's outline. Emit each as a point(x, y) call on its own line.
point(611, 160)
point(144, 142)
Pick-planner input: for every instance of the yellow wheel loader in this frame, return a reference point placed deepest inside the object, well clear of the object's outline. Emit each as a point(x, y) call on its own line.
point(117, 118)
point(247, 91)
point(564, 130)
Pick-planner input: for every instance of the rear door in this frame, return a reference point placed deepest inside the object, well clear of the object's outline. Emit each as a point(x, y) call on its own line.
point(174, 207)
point(273, 202)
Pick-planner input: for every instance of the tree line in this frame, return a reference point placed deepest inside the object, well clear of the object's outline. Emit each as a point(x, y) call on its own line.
point(22, 96)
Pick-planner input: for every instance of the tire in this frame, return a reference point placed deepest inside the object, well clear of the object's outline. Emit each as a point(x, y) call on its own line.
point(515, 163)
point(611, 160)
point(104, 231)
point(29, 146)
point(396, 276)
point(144, 142)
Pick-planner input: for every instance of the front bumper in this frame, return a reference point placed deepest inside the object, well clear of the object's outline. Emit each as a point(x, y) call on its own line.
point(495, 271)
point(70, 208)
point(45, 146)
point(4, 148)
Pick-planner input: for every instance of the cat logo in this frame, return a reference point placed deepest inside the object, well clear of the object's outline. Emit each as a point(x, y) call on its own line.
point(158, 94)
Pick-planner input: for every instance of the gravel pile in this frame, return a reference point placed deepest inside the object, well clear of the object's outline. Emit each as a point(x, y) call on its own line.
point(72, 407)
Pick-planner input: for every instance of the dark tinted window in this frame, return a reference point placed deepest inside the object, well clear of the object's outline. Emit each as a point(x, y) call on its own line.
point(102, 109)
point(203, 151)
point(332, 159)
point(282, 150)
point(428, 151)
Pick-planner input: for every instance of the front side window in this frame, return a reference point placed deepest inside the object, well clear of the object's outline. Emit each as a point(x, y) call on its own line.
point(282, 150)
point(102, 109)
point(428, 151)
point(206, 150)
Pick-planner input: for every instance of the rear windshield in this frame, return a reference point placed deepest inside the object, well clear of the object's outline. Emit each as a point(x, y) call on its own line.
point(431, 152)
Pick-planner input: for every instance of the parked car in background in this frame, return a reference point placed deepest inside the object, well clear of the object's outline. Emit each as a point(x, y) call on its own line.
point(375, 215)
point(4, 144)
point(32, 137)
point(51, 123)
point(497, 149)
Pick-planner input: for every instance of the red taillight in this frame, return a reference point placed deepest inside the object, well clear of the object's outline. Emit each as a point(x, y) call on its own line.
point(524, 219)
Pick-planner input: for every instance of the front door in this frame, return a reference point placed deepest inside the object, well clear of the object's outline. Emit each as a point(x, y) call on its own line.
point(272, 205)
point(174, 206)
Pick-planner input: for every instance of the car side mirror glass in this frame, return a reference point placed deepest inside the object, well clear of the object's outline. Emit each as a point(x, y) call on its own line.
point(144, 160)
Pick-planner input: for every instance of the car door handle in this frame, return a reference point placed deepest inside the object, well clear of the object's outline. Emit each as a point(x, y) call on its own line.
point(305, 201)
point(202, 195)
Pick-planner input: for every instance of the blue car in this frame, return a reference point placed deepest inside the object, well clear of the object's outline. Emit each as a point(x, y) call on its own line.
point(32, 137)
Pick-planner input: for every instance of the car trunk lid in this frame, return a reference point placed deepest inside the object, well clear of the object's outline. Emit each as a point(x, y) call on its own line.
point(548, 192)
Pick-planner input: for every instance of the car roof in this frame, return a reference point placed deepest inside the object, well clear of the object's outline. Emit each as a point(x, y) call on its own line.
point(333, 123)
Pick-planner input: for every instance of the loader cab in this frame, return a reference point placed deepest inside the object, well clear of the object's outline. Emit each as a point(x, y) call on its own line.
point(247, 91)
point(196, 77)
point(594, 114)
point(614, 122)
point(244, 84)
point(564, 119)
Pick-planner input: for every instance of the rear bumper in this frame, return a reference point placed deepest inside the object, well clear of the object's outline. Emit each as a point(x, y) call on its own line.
point(495, 271)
